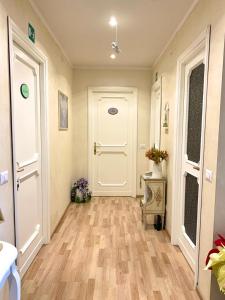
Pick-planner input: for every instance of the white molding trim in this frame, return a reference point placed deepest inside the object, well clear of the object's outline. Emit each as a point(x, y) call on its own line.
point(202, 43)
point(45, 23)
point(111, 68)
point(120, 145)
point(131, 90)
point(29, 162)
point(30, 259)
point(112, 184)
point(30, 240)
point(28, 175)
point(187, 254)
point(16, 35)
point(188, 13)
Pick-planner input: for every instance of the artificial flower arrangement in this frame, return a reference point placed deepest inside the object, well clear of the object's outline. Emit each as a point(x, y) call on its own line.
point(156, 155)
point(215, 262)
point(80, 192)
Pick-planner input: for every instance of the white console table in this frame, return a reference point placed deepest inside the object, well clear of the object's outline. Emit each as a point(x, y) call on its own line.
point(8, 271)
point(154, 201)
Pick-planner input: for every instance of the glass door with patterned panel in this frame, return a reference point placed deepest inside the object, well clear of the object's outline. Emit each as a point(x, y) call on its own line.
point(193, 136)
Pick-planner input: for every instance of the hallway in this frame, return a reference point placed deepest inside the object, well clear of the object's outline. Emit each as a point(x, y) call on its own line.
point(100, 250)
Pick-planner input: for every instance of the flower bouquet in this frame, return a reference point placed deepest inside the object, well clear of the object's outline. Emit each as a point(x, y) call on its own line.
point(80, 192)
point(156, 155)
point(215, 262)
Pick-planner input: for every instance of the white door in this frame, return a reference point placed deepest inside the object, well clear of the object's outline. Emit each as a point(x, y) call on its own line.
point(27, 157)
point(112, 141)
point(192, 157)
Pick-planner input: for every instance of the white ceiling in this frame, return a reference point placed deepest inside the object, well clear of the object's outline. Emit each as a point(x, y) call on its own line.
point(81, 28)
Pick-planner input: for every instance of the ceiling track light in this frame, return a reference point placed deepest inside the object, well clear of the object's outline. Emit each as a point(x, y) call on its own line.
point(115, 44)
point(116, 47)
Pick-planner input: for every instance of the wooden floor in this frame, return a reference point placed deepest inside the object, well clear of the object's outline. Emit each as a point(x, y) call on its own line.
point(101, 251)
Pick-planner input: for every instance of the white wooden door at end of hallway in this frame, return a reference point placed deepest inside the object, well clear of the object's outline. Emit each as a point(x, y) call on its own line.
point(112, 138)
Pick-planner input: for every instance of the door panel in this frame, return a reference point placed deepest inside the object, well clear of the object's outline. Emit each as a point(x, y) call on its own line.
point(108, 163)
point(28, 190)
point(191, 156)
point(191, 206)
point(112, 147)
point(27, 153)
point(27, 108)
point(195, 113)
point(108, 122)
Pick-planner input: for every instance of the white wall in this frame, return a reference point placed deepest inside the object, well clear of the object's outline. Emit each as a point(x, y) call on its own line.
point(206, 12)
point(60, 77)
point(219, 219)
point(83, 79)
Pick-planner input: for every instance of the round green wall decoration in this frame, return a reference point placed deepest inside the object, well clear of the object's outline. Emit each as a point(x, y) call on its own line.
point(24, 90)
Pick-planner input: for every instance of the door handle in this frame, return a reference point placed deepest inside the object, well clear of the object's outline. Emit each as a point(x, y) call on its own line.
point(196, 168)
point(95, 148)
point(19, 169)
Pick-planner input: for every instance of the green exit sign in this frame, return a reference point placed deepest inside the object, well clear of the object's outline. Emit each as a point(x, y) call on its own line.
point(31, 33)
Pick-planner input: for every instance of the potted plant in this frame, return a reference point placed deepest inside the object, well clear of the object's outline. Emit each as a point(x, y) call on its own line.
point(157, 156)
point(80, 192)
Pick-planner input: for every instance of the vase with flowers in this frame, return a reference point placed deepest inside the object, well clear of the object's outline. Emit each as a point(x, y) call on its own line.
point(157, 156)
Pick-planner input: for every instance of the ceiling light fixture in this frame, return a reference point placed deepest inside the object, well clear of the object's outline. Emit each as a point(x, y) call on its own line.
point(113, 22)
point(115, 47)
point(113, 56)
point(115, 44)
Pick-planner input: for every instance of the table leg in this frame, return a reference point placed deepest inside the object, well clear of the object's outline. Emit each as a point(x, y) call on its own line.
point(14, 284)
point(163, 217)
point(145, 221)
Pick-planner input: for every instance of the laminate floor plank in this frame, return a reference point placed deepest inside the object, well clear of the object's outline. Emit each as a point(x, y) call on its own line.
point(101, 251)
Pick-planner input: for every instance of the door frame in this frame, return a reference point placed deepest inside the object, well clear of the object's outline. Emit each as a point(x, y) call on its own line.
point(202, 43)
point(15, 35)
point(125, 90)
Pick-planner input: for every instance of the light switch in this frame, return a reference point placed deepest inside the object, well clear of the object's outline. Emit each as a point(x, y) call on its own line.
point(209, 175)
point(4, 177)
point(142, 146)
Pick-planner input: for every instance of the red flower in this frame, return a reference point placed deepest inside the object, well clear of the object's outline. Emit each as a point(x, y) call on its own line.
point(208, 257)
point(219, 243)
